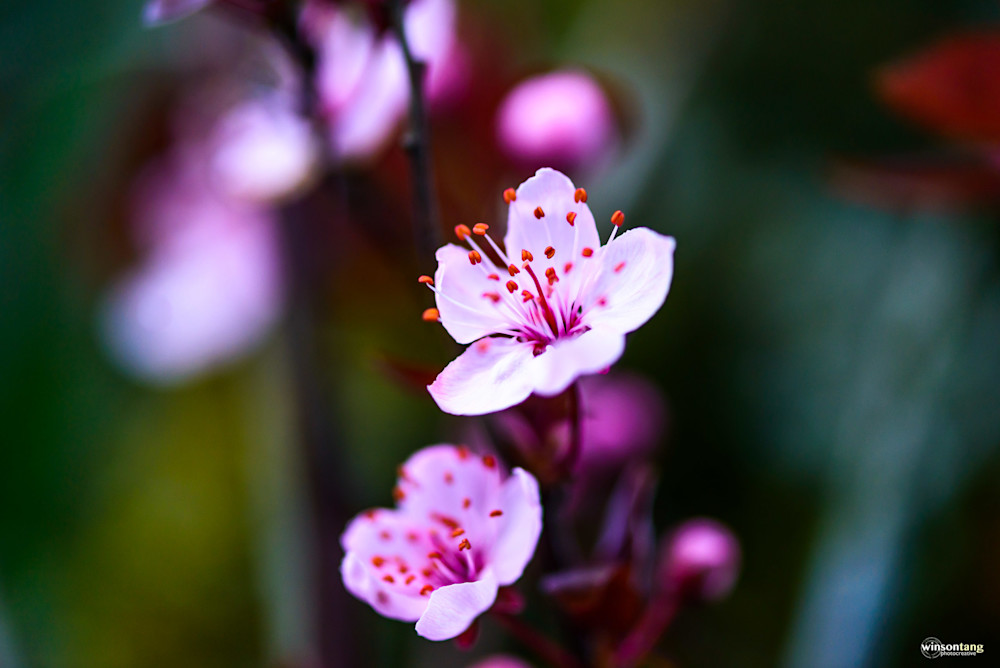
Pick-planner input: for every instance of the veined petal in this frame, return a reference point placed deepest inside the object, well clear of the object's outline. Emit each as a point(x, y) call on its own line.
point(465, 312)
point(551, 194)
point(492, 374)
point(567, 359)
point(387, 600)
point(635, 276)
point(443, 484)
point(451, 609)
point(519, 526)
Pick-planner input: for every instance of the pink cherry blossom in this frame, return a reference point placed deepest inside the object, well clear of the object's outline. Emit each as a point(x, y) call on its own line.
point(554, 306)
point(362, 78)
point(209, 287)
point(461, 529)
point(560, 118)
point(701, 560)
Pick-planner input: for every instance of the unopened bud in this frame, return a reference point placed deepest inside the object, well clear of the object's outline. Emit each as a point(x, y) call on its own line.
point(701, 560)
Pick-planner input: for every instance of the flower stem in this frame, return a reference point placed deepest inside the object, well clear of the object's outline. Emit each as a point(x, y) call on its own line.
point(426, 222)
point(547, 649)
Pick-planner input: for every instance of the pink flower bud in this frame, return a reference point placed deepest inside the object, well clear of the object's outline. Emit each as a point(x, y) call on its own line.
point(701, 560)
point(561, 119)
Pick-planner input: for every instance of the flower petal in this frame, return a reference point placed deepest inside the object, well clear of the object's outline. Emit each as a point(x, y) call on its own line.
point(518, 528)
point(553, 193)
point(452, 608)
point(384, 598)
point(443, 483)
point(637, 268)
point(567, 359)
point(492, 374)
point(465, 312)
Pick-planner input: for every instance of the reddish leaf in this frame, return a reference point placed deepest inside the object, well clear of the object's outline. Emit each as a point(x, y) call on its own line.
point(952, 88)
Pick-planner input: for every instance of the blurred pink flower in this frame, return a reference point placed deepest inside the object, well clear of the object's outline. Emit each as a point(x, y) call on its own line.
point(560, 118)
point(623, 418)
point(501, 661)
point(263, 150)
point(161, 11)
point(461, 530)
point(701, 560)
point(210, 286)
point(362, 78)
point(556, 308)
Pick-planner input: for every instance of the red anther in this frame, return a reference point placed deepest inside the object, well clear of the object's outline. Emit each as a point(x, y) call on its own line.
point(549, 252)
point(571, 217)
point(509, 195)
point(434, 555)
point(513, 270)
point(539, 213)
point(431, 315)
point(378, 561)
point(618, 218)
point(426, 572)
point(398, 494)
point(489, 461)
point(412, 537)
point(511, 287)
point(550, 274)
point(426, 280)
point(449, 522)
point(526, 255)
point(475, 257)
point(426, 590)
point(580, 195)
point(619, 267)
point(496, 513)
point(494, 277)
point(567, 267)
point(526, 296)
point(403, 569)
point(587, 252)
point(457, 532)
point(480, 229)
point(370, 514)
point(492, 296)
point(464, 545)
point(466, 502)
point(385, 535)
point(462, 231)
point(410, 578)
point(463, 451)
point(388, 578)
point(448, 478)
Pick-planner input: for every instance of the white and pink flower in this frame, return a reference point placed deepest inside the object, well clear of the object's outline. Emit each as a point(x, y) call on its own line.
point(461, 530)
point(555, 305)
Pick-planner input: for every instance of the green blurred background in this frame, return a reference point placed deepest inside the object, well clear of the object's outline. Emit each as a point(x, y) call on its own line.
point(832, 370)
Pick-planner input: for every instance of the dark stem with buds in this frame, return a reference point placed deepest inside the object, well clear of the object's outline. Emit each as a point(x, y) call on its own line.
point(426, 221)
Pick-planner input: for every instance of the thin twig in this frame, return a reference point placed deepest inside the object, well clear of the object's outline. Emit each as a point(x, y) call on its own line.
point(426, 221)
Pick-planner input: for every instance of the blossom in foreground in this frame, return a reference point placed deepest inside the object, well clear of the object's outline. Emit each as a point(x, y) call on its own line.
point(560, 118)
point(362, 77)
point(461, 530)
point(554, 306)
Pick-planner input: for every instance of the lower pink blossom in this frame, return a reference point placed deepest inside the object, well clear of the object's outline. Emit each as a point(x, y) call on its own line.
point(461, 530)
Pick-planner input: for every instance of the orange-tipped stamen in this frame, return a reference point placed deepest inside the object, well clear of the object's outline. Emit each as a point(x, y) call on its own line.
point(511, 287)
point(426, 590)
point(457, 532)
point(526, 255)
point(539, 213)
point(489, 461)
point(587, 252)
point(496, 513)
point(480, 229)
point(549, 252)
point(550, 274)
point(618, 218)
point(462, 232)
point(426, 280)
point(571, 217)
point(580, 195)
point(475, 258)
point(431, 315)
point(464, 545)
point(509, 195)
point(513, 270)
